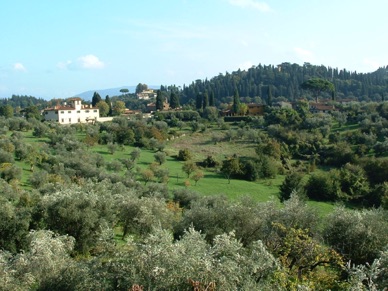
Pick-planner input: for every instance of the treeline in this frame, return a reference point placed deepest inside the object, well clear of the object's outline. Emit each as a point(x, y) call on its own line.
point(283, 82)
point(24, 101)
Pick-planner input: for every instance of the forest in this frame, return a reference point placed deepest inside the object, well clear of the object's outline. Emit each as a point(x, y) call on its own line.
point(283, 82)
point(189, 200)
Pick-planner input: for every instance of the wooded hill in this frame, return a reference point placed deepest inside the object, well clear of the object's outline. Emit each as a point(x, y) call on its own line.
point(284, 80)
point(257, 84)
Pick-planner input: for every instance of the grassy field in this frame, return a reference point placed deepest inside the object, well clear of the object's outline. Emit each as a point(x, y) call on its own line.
point(201, 145)
point(212, 182)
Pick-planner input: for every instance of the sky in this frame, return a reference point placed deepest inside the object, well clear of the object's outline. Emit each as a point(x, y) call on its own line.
point(57, 49)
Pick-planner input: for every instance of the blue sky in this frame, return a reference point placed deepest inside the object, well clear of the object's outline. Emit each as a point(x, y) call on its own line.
point(56, 49)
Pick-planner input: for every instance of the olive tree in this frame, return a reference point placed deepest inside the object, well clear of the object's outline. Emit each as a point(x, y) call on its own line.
point(359, 235)
point(79, 211)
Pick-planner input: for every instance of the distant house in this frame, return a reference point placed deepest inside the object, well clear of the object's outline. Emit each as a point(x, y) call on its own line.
point(129, 112)
point(151, 107)
point(320, 107)
point(71, 112)
point(255, 109)
point(146, 94)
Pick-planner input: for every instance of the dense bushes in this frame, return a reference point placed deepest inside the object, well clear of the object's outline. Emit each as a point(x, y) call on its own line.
point(183, 115)
point(261, 245)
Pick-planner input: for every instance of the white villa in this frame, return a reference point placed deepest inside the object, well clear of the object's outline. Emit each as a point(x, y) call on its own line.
point(71, 112)
point(146, 94)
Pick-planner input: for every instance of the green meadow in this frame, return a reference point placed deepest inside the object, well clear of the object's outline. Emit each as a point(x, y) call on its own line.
point(201, 145)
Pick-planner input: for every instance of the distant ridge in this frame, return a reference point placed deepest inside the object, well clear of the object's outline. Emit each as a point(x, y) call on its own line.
point(87, 95)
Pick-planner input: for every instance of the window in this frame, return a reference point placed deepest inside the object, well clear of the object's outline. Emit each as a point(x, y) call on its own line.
point(56, 111)
point(63, 120)
point(46, 112)
point(62, 112)
point(79, 119)
point(86, 111)
point(78, 111)
point(95, 110)
point(68, 111)
point(69, 120)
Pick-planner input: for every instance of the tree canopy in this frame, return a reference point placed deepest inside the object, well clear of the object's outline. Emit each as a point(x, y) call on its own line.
point(317, 86)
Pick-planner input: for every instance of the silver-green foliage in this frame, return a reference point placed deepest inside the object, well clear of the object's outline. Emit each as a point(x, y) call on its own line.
point(160, 263)
point(358, 235)
point(47, 257)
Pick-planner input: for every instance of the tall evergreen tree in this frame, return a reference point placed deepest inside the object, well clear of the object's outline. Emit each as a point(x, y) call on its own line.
point(159, 101)
point(211, 99)
point(174, 100)
point(198, 101)
point(269, 95)
point(109, 102)
point(236, 101)
point(96, 98)
point(205, 100)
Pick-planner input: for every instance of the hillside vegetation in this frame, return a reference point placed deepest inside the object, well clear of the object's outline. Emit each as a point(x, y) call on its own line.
point(218, 198)
point(292, 198)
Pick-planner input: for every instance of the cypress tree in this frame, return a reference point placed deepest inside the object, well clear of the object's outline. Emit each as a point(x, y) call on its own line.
point(205, 101)
point(198, 101)
point(236, 101)
point(159, 101)
point(269, 93)
point(109, 102)
point(174, 100)
point(211, 99)
point(96, 98)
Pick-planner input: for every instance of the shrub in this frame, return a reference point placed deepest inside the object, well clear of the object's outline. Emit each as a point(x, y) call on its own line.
point(184, 155)
point(292, 183)
point(323, 187)
point(209, 162)
point(114, 166)
point(184, 197)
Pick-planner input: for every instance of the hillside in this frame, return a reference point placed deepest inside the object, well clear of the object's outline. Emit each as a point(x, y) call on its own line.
point(283, 82)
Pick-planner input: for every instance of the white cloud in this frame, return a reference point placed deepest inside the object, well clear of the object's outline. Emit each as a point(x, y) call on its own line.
point(83, 62)
point(19, 67)
point(64, 65)
point(90, 62)
point(261, 6)
point(304, 55)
